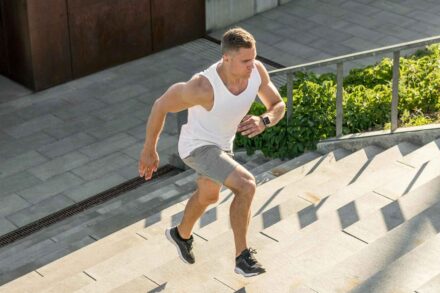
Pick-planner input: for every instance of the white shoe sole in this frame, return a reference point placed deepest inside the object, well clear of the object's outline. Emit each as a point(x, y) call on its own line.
point(240, 272)
point(168, 235)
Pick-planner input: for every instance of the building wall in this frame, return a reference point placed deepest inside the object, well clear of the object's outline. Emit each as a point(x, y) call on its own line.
point(222, 13)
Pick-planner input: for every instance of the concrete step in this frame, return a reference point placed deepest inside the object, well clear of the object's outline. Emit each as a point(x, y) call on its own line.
point(292, 268)
point(348, 207)
point(173, 215)
point(431, 286)
point(268, 197)
point(409, 272)
point(426, 153)
point(300, 204)
point(138, 284)
point(54, 271)
point(302, 240)
point(395, 213)
point(357, 268)
point(422, 173)
point(172, 210)
point(64, 267)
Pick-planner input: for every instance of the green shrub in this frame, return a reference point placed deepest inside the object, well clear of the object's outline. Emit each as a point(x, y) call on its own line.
point(366, 104)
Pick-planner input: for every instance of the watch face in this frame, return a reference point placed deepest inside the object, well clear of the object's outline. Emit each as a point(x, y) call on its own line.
point(266, 120)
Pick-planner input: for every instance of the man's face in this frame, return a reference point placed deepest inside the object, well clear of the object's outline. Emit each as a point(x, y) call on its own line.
point(241, 62)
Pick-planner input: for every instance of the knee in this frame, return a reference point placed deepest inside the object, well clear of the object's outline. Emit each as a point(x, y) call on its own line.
point(208, 198)
point(248, 187)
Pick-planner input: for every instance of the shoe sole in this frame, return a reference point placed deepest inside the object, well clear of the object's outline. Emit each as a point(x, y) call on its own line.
point(170, 238)
point(240, 272)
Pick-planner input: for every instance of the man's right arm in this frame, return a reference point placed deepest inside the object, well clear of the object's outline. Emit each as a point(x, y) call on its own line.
point(178, 97)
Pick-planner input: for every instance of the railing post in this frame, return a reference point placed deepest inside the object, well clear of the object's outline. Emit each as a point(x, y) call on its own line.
point(339, 96)
point(289, 95)
point(395, 98)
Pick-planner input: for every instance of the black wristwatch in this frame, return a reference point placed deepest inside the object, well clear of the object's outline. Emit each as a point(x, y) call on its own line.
point(266, 121)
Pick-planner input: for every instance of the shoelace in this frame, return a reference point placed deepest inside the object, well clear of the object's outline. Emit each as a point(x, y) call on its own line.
point(250, 257)
point(189, 243)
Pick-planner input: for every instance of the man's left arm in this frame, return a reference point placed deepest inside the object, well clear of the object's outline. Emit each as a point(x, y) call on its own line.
point(269, 95)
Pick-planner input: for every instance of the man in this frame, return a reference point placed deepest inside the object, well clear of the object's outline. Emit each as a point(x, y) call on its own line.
point(217, 100)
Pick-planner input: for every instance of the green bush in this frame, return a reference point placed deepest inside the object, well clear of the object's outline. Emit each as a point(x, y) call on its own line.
point(366, 104)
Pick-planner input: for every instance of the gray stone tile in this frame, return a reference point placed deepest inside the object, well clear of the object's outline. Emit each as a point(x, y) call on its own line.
point(124, 93)
point(115, 126)
point(12, 203)
point(359, 8)
point(294, 35)
point(329, 21)
point(359, 44)
point(82, 192)
point(33, 126)
point(391, 7)
point(40, 108)
point(138, 132)
point(74, 126)
point(14, 147)
point(425, 28)
point(59, 165)
point(389, 40)
point(402, 33)
point(425, 16)
point(6, 226)
point(66, 145)
point(10, 90)
point(334, 49)
point(134, 150)
point(10, 120)
point(390, 17)
point(17, 182)
point(75, 110)
point(51, 187)
point(292, 47)
point(131, 171)
point(20, 163)
point(118, 110)
point(331, 34)
point(151, 96)
point(100, 167)
point(364, 33)
point(109, 145)
point(41, 209)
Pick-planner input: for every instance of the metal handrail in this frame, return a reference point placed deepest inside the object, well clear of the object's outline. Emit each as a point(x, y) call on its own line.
point(339, 61)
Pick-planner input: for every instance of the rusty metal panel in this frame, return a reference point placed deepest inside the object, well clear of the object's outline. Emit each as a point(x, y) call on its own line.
point(18, 42)
point(177, 22)
point(105, 33)
point(50, 47)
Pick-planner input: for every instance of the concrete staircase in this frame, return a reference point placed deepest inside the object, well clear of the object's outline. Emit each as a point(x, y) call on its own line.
point(363, 221)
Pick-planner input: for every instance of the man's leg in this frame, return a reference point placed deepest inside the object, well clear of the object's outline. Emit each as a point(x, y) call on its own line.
point(208, 192)
point(242, 184)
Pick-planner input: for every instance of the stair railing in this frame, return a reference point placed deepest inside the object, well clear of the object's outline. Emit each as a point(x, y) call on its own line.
point(339, 62)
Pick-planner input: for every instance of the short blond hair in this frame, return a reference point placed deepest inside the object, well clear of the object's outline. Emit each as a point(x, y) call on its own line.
point(236, 38)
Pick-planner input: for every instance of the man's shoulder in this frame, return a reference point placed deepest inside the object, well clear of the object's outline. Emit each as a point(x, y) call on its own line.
point(199, 84)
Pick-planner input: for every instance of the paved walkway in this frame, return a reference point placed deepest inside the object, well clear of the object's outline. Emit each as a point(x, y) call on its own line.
point(62, 145)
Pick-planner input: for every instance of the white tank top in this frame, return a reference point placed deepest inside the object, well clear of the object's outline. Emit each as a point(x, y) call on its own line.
point(219, 125)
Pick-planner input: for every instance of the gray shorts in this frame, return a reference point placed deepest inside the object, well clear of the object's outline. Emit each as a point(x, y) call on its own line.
point(212, 162)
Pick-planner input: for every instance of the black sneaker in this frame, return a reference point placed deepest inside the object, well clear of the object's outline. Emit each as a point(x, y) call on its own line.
point(184, 247)
point(247, 265)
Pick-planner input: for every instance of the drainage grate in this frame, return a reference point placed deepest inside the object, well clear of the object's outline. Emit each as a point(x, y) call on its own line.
point(260, 58)
point(81, 206)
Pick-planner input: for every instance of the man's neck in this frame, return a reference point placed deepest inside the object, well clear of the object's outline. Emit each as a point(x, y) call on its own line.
point(226, 76)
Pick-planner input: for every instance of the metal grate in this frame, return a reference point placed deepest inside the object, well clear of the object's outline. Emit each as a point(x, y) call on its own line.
point(81, 206)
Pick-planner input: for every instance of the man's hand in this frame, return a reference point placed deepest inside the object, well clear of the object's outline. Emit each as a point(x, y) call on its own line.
point(251, 126)
point(148, 163)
